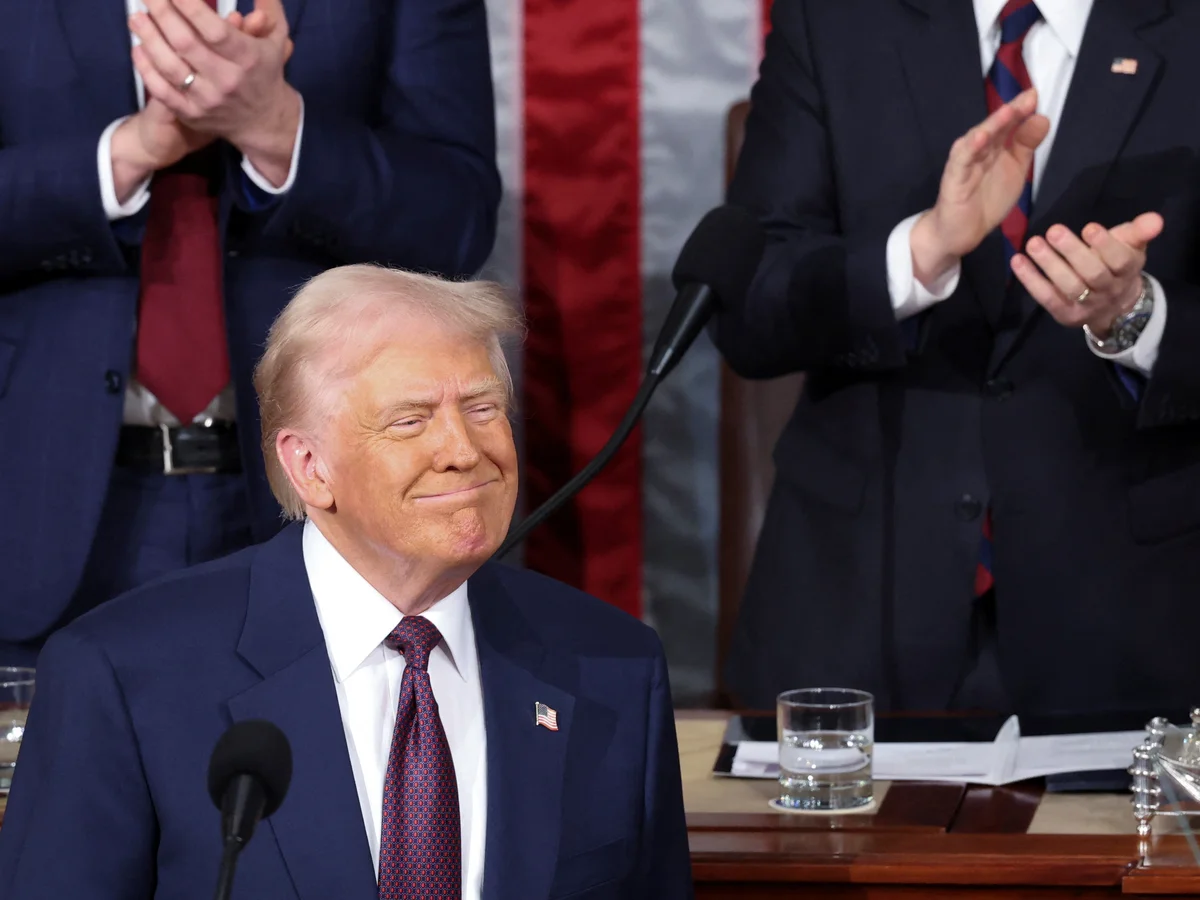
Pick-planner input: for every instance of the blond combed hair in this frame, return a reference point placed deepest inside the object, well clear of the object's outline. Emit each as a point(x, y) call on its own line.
point(341, 306)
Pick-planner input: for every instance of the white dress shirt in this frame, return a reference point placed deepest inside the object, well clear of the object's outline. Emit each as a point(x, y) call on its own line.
point(141, 406)
point(1050, 51)
point(355, 619)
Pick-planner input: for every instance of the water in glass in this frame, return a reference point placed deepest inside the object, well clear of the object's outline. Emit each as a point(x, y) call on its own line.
point(826, 739)
point(825, 769)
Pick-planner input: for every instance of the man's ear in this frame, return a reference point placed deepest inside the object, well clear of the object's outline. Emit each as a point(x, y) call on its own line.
point(305, 469)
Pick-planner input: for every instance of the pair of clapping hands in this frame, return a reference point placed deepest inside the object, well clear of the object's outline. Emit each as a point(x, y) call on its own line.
point(206, 78)
point(1087, 279)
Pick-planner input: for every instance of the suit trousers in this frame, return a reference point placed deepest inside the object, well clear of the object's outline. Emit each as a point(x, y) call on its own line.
point(152, 525)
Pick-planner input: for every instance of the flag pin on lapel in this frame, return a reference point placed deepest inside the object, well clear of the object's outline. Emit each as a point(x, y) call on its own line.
point(546, 716)
point(1123, 65)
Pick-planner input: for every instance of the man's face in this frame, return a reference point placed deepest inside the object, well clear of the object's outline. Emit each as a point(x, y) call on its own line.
point(422, 461)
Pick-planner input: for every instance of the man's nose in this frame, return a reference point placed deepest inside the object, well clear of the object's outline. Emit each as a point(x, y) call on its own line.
point(457, 448)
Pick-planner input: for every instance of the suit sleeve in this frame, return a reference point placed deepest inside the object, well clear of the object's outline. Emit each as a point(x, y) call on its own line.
point(80, 822)
point(418, 187)
point(1172, 394)
point(820, 297)
point(52, 218)
point(664, 860)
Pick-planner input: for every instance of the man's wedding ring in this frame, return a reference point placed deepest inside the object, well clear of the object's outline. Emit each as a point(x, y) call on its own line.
point(1082, 298)
point(188, 82)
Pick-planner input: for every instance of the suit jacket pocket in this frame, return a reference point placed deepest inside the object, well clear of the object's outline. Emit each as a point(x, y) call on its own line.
point(1166, 506)
point(817, 468)
point(593, 873)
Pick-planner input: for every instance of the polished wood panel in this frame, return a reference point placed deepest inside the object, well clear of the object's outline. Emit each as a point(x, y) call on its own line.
point(923, 840)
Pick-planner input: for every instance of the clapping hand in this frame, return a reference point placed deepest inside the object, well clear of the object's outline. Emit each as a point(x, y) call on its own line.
point(1090, 279)
point(982, 180)
point(222, 77)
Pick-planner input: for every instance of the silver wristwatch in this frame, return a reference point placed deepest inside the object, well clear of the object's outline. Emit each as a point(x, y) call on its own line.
point(1127, 327)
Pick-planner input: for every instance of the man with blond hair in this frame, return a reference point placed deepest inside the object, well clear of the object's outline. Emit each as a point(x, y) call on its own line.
point(458, 728)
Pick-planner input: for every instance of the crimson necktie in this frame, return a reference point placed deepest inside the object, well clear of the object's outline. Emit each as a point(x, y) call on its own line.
point(420, 847)
point(182, 354)
point(1006, 79)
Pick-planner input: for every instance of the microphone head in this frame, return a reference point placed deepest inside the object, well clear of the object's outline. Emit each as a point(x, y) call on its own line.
point(257, 748)
point(722, 252)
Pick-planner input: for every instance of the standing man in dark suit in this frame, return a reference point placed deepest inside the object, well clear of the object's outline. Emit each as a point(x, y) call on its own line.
point(460, 730)
point(984, 222)
point(157, 208)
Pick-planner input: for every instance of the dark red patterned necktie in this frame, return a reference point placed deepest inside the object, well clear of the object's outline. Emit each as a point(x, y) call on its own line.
point(1006, 79)
point(420, 847)
point(182, 352)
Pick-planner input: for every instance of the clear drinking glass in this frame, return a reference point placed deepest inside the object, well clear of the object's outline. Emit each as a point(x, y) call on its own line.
point(16, 693)
point(826, 738)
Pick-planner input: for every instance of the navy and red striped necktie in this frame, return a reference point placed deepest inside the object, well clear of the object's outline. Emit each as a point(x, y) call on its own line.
point(1006, 79)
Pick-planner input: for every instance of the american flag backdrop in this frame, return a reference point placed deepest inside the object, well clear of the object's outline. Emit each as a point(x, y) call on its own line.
point(610, 120)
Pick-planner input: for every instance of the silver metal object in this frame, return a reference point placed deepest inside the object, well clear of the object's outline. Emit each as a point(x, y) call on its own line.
point(1166, 765)
point(188, 82)
point(168, 451)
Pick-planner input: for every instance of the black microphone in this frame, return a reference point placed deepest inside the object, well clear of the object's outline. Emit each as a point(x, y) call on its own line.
point(714, 268)
point(248, 776)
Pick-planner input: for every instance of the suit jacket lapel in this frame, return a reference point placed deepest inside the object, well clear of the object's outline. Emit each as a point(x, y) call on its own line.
point(525, 761)
point(319, 828)
point(1102, 109)
point(940, 55)
point(99, 41)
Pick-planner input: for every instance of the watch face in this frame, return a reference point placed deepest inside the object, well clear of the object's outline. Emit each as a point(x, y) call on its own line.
point(1127, 331)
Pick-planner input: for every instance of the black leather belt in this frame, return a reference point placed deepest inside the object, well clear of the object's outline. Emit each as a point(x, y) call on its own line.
point(183, 450)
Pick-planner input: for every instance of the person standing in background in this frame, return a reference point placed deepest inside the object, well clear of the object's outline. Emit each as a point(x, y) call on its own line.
point(983, 253)
point(168, 175)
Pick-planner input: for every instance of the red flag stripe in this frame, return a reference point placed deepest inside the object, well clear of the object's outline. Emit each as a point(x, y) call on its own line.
point(582, 286)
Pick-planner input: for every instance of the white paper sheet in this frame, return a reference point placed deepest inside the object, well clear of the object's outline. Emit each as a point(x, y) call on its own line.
point(1007, 759)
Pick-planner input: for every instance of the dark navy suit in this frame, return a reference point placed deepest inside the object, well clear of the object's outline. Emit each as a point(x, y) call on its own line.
point(864, 572)
point(109, 798)
point(397, 165)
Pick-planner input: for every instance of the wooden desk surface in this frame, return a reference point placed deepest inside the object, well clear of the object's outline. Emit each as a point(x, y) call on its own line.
point(921, 840)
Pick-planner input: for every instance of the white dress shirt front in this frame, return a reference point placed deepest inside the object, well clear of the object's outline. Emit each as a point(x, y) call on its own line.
point(1050, 51)
point(141, 406)
point(355, 619)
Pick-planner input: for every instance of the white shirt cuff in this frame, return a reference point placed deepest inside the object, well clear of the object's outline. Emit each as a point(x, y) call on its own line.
point(1142, 356)
point(260, 182)
point(113, 208)
point(910, 296)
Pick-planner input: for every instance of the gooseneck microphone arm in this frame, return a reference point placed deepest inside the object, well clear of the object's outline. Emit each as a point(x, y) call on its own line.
point(588, 472)
point(716, 264)
point(229, 855)
point(248, 776)
point(241, 808)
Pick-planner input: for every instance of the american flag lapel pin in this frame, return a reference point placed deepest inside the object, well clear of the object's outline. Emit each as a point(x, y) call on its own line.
point(545, 716)
point(1123, 65)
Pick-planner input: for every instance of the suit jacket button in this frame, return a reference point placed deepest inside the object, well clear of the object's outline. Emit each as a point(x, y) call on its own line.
point(999, 388)
point(113, 381)
point(967, 508)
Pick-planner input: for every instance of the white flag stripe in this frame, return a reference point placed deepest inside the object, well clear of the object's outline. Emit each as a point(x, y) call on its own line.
point(698, 58)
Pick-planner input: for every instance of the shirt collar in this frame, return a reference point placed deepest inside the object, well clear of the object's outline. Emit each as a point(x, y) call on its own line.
point(355, 618)
point(1066, 18)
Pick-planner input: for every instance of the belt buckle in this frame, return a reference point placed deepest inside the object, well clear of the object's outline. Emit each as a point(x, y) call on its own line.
point(169, 467)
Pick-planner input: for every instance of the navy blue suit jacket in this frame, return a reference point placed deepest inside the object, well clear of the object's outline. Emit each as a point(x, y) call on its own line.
point(109, 799)
point(397, 165)
point(897, 446)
